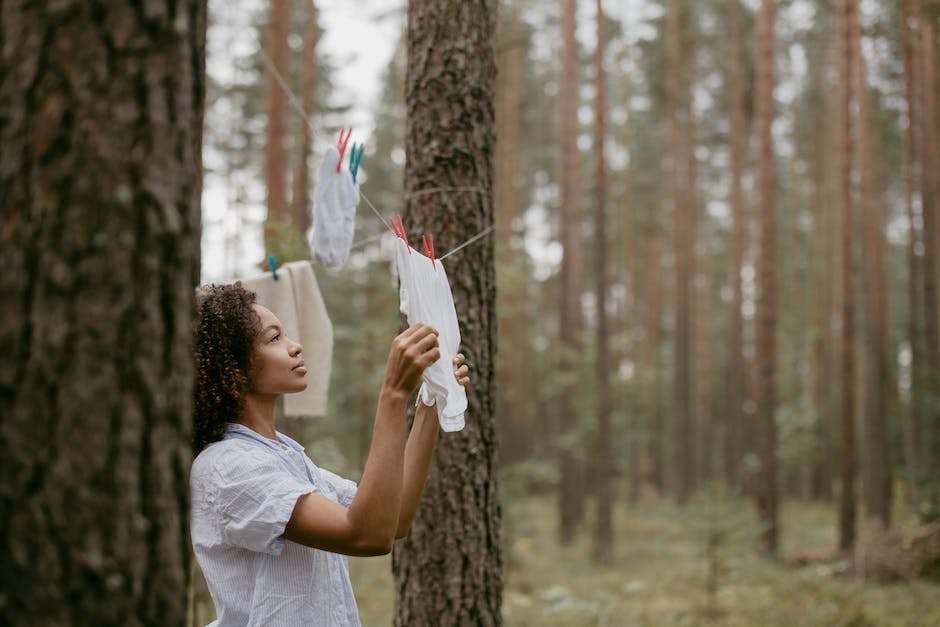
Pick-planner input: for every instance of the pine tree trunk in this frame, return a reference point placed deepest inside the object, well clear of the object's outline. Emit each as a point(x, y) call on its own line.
point(572, 486)
point(826, 346)
point(914, 440)
point(877, 467)
point(767, 301)
point(734, 414)
point(927, 134)
point(100, 182)
point(308, 82)
point(681, 233)
point(630, 273)
point(653, 297)
point(448, 570)
point(847, 361)
point(275, 154)
point(512, 415)
point(603, 533)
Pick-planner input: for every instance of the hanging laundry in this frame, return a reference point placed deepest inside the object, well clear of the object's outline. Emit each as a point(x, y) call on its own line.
point(296, 300)
point(426, 297)
point(334, 210)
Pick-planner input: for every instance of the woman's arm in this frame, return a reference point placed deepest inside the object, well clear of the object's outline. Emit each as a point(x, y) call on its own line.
point(418, 453)
point(370, 524)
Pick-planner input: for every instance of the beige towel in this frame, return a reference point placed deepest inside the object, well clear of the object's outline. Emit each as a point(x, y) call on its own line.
point(295, 299)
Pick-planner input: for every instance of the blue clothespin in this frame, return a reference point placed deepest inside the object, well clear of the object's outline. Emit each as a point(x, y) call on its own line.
point(354, 159)
point(273, 265)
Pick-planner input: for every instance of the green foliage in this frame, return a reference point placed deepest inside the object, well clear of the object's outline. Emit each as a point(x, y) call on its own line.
point(721, 522)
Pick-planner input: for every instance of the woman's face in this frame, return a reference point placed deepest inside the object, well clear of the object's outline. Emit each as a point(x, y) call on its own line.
point(278, 368)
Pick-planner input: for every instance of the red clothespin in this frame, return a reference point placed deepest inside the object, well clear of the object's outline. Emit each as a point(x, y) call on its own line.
point(403, 234)
point(341, 145)
point(428, 243)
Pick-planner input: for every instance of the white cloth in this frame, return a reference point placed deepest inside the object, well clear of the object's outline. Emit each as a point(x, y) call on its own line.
point(426, 297)
point(296, 300)
point(243, 492)
point(334, 211)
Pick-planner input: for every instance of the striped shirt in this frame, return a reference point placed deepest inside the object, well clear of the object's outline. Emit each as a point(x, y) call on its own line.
point(243, 490)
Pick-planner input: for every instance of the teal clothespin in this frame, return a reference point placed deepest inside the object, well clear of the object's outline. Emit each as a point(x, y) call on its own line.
point(354, 159)
point(273, 265)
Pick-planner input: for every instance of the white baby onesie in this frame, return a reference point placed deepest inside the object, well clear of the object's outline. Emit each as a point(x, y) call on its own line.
point(334, 207)
point(426, 297)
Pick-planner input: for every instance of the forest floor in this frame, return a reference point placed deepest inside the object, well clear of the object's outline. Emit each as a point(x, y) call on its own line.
point(663, 566)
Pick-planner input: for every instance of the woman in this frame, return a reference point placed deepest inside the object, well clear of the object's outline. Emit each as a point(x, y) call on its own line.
point(269, 528)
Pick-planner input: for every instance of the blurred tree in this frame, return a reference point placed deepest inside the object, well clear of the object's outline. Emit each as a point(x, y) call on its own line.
point(603, 533)
point(877, 477)
point(572, 480)
point(734, 407)
point(915, 333)
point(821, 143)
point(847, 361)
point(275, 153)
point(448, 570)
point(300, 202)
point(512, 413)
point(100, 179)
point(766, 489)
point(680, 114)
point(926, 50)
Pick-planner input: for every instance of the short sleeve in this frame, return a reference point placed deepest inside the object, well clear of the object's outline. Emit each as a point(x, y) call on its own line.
point(345, 489)
point(256, 498)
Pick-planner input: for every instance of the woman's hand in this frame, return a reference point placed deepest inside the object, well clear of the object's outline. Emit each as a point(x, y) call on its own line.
point(412, 351)
point(461, 370)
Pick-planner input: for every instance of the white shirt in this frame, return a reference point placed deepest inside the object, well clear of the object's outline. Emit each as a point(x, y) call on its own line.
point(426, 297)
point(243, 490)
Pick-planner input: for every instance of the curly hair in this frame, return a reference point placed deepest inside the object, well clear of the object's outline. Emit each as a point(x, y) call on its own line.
point(223, 339)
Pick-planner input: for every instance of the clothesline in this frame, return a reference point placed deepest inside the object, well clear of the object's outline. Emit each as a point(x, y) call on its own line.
point(292, 98)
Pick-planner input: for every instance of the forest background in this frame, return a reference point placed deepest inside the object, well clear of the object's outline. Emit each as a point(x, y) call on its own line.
point(692, 387)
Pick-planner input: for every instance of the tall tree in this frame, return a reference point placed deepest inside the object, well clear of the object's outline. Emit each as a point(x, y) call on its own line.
point(569, 176)
point(877, 468)
point(914, 431)
point(275, 152)
point(682, 246)
point(927, 152)
point(100, 181)
point(824, 147)
point(300, 215)
point(766, 492)
point(511, 405)
point(847, 361)
point(603, 533)
point(448, 571)
point(734, 410)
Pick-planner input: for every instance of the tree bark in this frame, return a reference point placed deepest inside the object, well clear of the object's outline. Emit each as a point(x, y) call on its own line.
point(603, 531)
point(734, 414)
point(275, 153)
point(767, 301)
point(914, 439)
point(877, 476)
point(572, 484)
point(308, 83)
point(927, 149)
point(448, 570)
point(682, 249)
point(847, 361)
point(511, 394)
point(100, 182)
